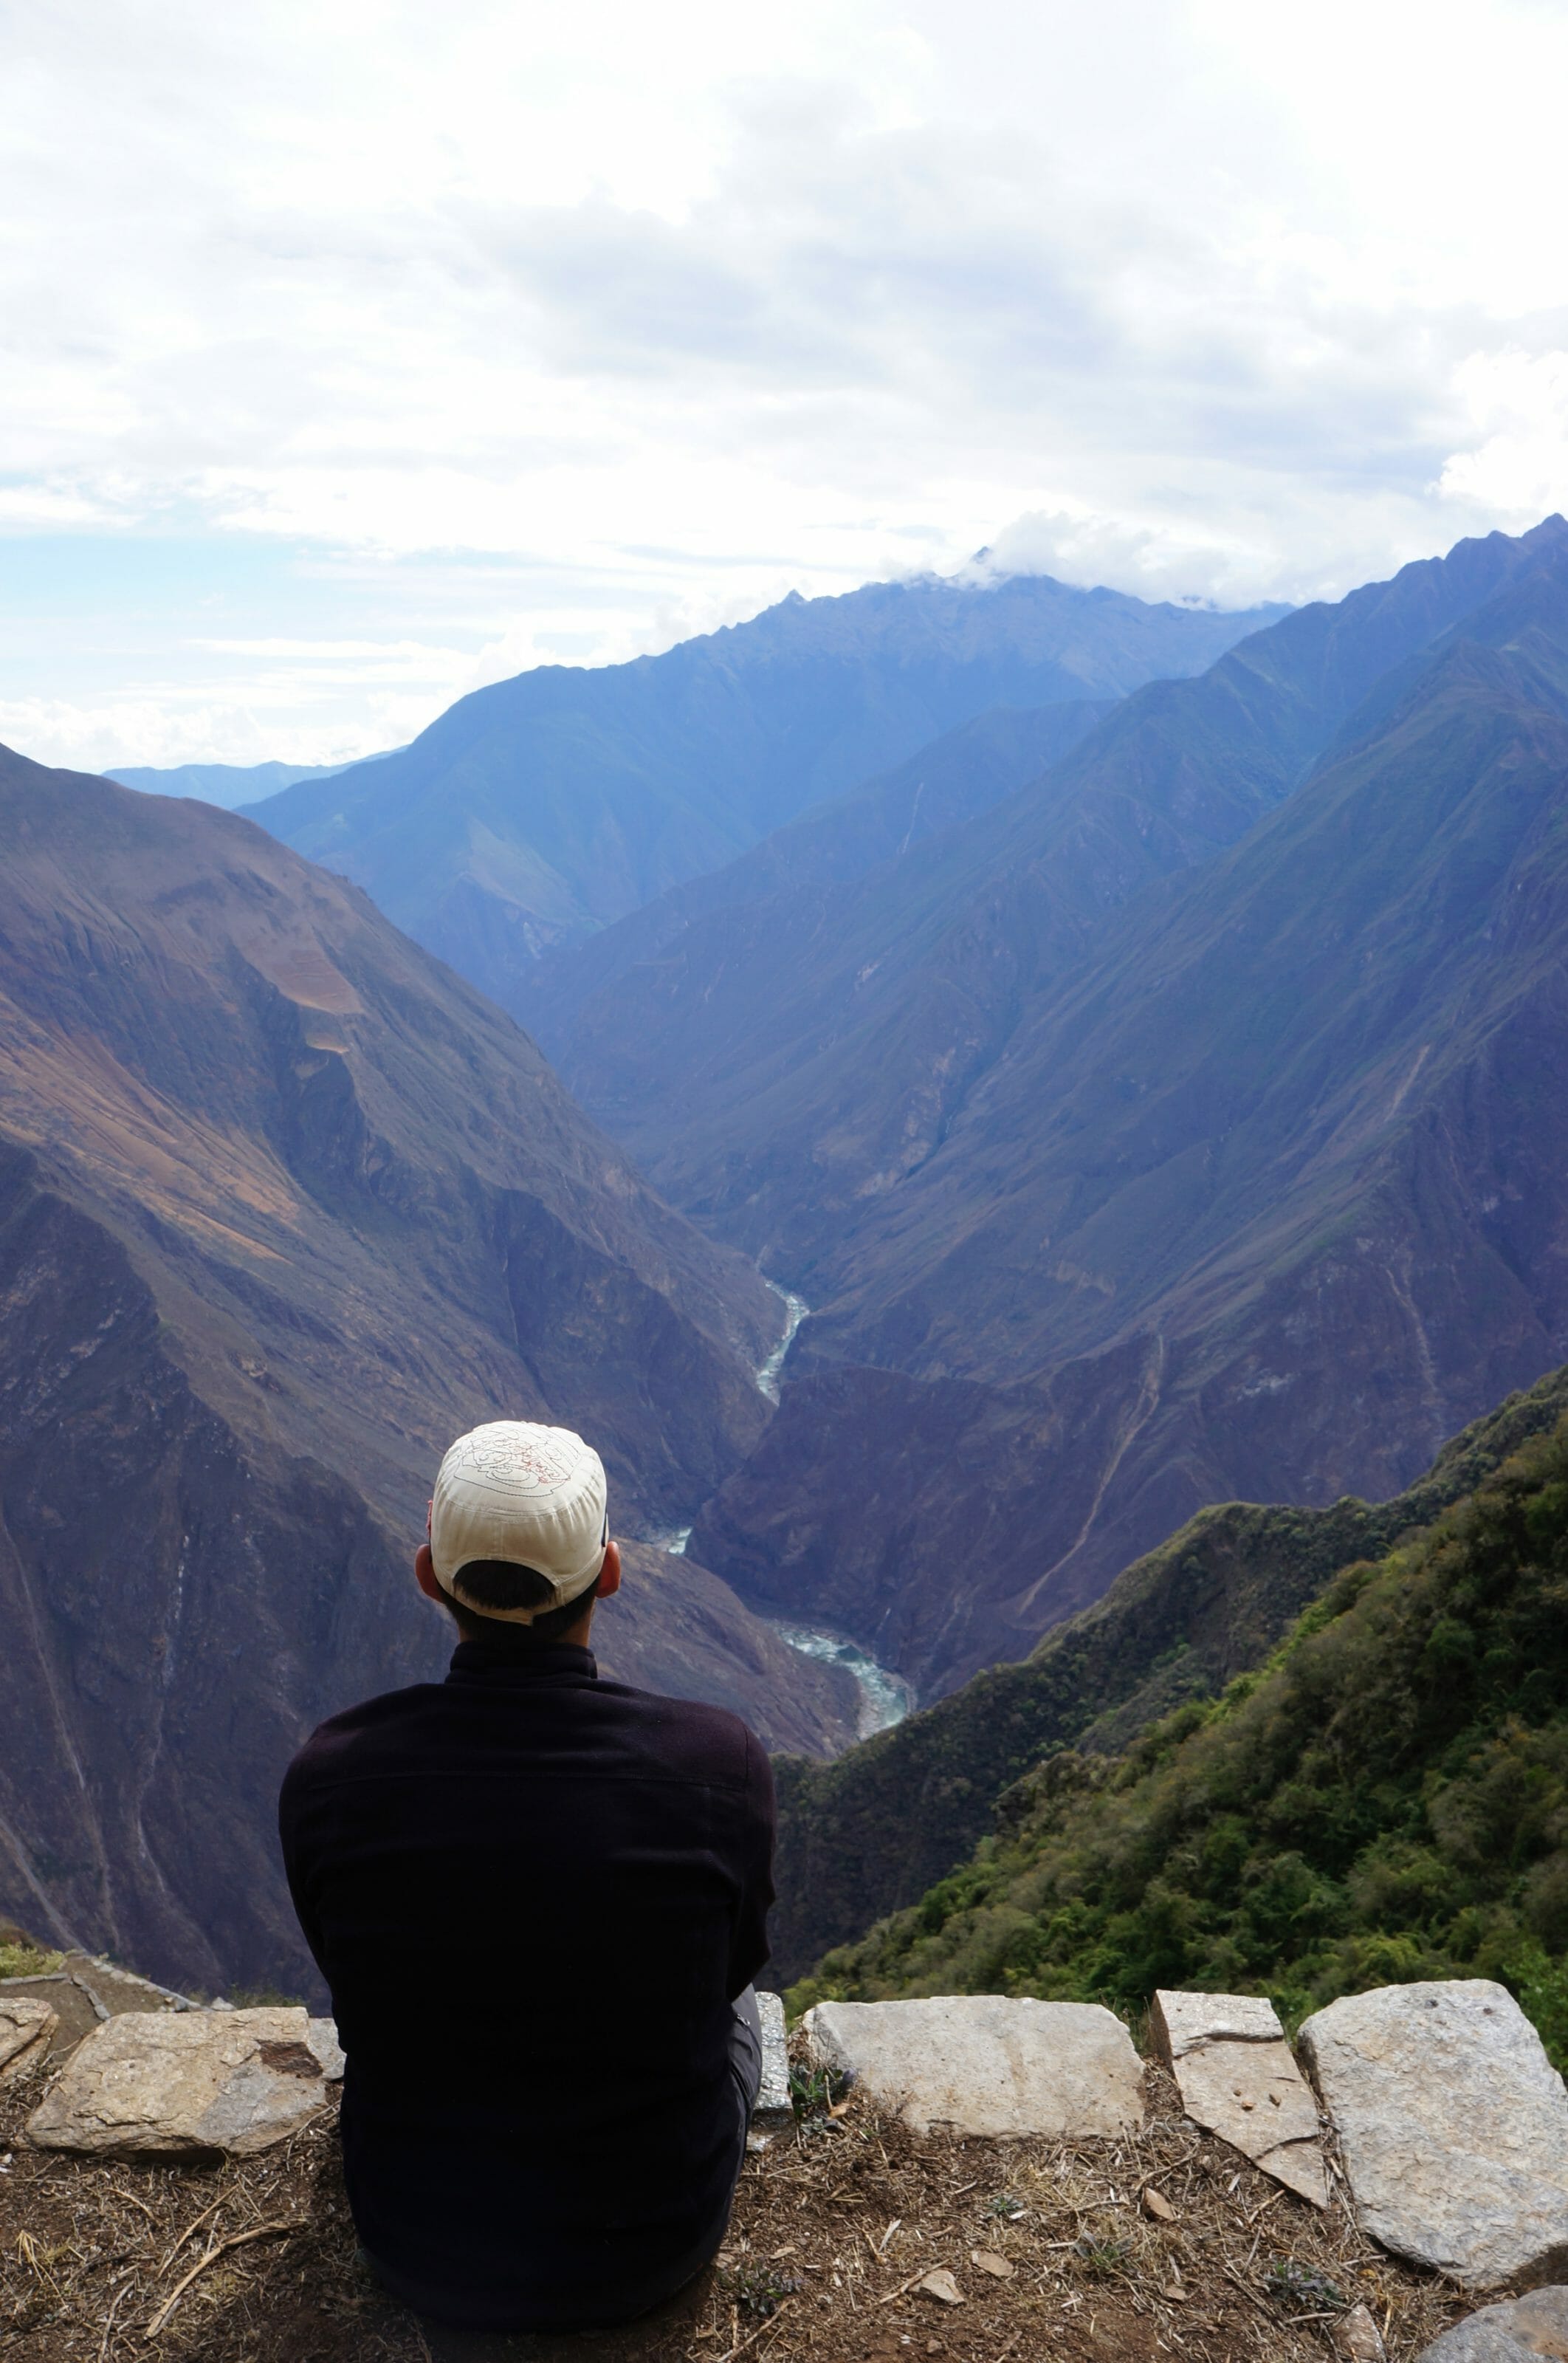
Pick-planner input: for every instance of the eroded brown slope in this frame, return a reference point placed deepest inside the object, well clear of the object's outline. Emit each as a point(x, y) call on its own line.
point(284, 1205)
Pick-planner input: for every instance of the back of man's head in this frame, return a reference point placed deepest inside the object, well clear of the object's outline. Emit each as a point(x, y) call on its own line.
point(519, 1529)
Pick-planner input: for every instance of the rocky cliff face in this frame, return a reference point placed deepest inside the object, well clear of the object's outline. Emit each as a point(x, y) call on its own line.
point(284, 1206)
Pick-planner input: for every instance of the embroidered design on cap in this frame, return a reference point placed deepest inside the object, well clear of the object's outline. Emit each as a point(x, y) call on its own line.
point(498, 1456)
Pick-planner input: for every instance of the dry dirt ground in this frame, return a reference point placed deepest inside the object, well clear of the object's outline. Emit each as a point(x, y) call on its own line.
point(835, 2221)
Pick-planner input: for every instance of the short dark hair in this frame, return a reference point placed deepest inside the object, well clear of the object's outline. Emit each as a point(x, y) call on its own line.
point(502, 1583)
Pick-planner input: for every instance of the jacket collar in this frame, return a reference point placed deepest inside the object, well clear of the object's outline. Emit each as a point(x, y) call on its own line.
point(503, 1661)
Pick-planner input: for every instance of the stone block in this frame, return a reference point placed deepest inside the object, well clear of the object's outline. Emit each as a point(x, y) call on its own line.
point(1191, 2022)
point(322, 2035)
point(1521, 2332)
point(773, 2104)
point(984, 2064)
point(1236, 2076)
point(26, 2026)
point(181, 2084)
point(1453, 2125)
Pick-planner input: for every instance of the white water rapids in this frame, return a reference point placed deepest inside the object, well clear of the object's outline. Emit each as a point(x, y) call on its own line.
point(796, 1309)
point(885, 1697)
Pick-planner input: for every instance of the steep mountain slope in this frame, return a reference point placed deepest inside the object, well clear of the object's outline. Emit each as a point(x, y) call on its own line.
point(535, 812)
point(867, 1834)
point(744, 923)
point(1387, 1801)
point(875, 1010)
point(284, 1206)
point(1261, 1201)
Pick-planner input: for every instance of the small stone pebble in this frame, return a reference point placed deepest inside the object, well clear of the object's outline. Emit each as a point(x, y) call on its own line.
point(941, 2285)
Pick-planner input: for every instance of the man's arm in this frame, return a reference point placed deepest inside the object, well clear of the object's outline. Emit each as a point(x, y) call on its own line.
point(749, 1947)
point(290, 1802)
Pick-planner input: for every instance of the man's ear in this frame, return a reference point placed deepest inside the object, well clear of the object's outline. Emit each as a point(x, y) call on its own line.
point(424, 1575)
point(610, 1574)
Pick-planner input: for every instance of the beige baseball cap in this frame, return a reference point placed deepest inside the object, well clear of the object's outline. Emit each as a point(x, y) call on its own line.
point(535, 1496)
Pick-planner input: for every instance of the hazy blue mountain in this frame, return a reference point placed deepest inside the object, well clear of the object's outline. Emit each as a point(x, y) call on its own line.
point(772, 896)
point(541, 809)
point(783, 1072)
point(227, 785)
point(1260, 1196)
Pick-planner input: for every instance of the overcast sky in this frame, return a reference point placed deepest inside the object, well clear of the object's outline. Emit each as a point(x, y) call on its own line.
point(354, 354)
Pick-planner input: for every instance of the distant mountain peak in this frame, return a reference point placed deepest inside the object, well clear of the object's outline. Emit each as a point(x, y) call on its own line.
point(538, 809)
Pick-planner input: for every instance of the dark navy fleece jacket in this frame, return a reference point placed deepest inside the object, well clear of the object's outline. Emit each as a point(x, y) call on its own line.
point(534, 1895)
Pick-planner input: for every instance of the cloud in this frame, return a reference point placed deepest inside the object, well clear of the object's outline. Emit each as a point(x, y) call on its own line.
point(1085, 548)
point(1517, 467)
point(515, 334)
point(165, 728)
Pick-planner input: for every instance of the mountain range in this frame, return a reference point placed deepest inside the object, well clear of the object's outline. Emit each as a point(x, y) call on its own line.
point(1153, 1086)
point(1179, 1129)
point(227, 785)
point(782, 1067)
point(534, 812)
point(285, 1206)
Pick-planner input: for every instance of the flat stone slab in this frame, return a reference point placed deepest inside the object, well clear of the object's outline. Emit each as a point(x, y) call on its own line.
point(1517, 2333)
point(180, 2084)
point(1453, 2124)
point(773, 2102)
point(26, 2027)
point(1236, 2076)
point(1191, 2022)
point(985, 2064)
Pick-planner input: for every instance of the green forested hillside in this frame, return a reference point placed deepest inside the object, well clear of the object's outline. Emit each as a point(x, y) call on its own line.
point(869, 1832)
point(1386, 1798)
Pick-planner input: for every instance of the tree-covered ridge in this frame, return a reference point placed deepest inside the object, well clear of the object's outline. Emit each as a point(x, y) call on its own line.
point(868, 1833)
point(1386, 1798)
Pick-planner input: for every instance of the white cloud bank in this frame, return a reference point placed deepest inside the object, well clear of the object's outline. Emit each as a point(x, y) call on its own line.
point(444, 342)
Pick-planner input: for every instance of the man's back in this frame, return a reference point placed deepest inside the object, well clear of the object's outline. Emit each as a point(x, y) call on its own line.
point(534, 1896)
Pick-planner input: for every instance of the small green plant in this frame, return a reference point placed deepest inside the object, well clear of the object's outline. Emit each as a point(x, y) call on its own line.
point(756, 2287)
point(814, 2090)
point(262, 1998)
point(1302, 2288)
point(1104, 2258)
point(1004, 2204)
point(20, 1959)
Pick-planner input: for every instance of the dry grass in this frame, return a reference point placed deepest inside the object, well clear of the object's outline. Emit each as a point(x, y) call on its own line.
point(834, 2222)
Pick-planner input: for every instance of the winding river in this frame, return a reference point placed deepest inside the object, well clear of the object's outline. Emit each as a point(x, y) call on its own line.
point(885, 1697)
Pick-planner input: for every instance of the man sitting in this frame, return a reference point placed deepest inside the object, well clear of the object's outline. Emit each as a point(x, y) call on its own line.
point(539, 1899)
